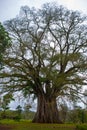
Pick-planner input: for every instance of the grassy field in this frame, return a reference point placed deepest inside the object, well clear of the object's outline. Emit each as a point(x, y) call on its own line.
point(27, 125)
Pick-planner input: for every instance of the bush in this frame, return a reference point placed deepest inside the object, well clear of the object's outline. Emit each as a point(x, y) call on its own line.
point(17, 118)
point(81, 127)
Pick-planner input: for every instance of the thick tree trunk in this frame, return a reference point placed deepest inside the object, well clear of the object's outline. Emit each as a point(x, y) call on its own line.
point(47, 111)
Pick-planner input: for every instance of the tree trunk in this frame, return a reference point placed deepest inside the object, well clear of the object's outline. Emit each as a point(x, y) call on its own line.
point(47, 111)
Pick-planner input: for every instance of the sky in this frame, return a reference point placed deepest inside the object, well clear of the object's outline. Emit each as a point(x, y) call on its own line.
point(10, 8)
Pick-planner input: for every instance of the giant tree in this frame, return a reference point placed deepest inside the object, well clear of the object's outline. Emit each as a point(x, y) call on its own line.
point(47, 57)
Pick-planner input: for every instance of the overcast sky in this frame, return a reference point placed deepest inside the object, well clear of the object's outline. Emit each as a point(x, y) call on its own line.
point(10, 8)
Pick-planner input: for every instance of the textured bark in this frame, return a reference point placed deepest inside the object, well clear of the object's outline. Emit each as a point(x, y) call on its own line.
point(47, 111)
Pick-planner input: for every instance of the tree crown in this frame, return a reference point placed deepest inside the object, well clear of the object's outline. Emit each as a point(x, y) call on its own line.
point(48, 53)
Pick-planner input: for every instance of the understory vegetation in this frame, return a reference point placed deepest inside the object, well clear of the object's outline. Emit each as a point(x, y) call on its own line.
point(77, 115)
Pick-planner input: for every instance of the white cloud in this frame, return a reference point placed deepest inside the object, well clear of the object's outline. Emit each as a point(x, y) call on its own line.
point(75, 4)
point(10, 8)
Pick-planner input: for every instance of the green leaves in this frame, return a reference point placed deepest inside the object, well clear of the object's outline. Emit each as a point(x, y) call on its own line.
point(6, 100)
point(5, 41)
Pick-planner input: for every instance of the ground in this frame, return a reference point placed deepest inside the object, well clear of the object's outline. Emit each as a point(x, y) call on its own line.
point(5, 127)
point(27, 125)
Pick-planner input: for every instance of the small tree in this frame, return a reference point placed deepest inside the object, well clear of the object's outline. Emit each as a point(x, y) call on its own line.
point(27, 110)
point(19, 111)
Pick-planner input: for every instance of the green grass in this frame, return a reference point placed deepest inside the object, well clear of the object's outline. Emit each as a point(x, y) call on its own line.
point(44, 127)
point(27, 125)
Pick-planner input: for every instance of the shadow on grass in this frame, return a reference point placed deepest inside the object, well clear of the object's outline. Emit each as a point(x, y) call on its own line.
point(5, 127)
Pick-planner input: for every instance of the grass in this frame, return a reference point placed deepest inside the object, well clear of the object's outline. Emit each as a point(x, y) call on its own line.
point(27, 125)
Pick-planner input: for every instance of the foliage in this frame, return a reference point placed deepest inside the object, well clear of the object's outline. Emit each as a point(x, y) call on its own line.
point(4, 102)
point(74, 115)
point(27, 111)
point(81, 127)
point(13, 114)
point(71, 116)
point(19, 111)
point(34, 60)
point(77, 116)
point(4, 40)
point(47, 58)
point(63, 112)
point(9, 115)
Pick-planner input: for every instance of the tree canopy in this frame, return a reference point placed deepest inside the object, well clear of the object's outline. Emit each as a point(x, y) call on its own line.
point(47, 58)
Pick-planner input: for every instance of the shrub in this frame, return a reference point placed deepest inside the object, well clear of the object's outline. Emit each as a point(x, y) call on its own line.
point(81, 127)
point(17, 118)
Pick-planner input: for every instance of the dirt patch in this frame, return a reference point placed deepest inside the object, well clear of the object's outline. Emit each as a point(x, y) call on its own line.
point(5, 127)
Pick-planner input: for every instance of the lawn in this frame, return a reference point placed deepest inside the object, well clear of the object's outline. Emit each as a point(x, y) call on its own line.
point(27, 125)
point(31, 126)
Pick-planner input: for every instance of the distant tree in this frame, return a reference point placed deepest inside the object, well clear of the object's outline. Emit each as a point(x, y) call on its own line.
point(47, 58)
point(19, 111)
point(63, 112)
point(27, 110)
point(27, 107)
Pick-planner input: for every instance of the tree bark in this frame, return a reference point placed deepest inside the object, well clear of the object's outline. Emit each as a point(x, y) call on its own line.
point(47, 111)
